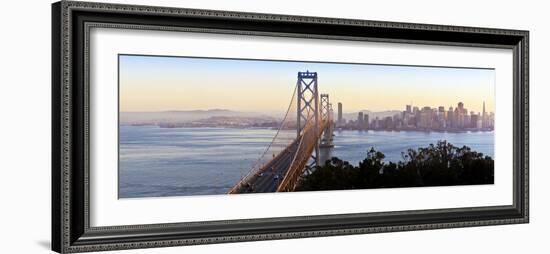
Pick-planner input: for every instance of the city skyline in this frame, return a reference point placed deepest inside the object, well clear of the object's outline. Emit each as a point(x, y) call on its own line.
point(424, 118)
point(153, 83)
point(344, 111)
point(412, 105)
point(421, 118)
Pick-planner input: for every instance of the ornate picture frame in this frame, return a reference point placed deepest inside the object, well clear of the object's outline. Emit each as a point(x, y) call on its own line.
point(71, 228)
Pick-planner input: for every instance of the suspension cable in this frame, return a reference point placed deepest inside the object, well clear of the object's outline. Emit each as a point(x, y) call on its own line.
point(255, 164)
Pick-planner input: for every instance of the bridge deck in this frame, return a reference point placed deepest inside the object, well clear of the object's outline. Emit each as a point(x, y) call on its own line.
point(269, 177)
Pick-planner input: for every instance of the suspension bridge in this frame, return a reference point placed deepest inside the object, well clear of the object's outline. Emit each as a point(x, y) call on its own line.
point(291, 155)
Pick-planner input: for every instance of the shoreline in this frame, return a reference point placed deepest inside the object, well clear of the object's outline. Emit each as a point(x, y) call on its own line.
point(335, 130)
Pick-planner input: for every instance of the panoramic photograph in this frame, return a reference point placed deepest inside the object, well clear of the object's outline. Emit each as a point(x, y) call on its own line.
point(210, 126)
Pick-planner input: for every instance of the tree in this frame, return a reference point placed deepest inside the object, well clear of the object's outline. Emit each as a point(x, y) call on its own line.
point(441, 164)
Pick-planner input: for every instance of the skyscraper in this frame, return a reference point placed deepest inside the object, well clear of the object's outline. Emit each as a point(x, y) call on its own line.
point(451, 117)
point(360, 120)
point(484, 117)
point(339, 113)
point(459, 114)
point(426, 115)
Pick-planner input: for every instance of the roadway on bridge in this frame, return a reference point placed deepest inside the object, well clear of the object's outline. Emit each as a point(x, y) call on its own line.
point(268, 179)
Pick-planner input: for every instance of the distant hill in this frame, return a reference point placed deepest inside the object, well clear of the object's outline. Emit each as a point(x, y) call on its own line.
point(372, 115)
point(181, 116)
point(184, 116)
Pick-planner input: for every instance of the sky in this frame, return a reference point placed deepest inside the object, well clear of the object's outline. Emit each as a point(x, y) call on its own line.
point(165, 83)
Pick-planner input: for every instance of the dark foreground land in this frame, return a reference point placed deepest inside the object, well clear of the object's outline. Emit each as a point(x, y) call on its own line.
point(441, 164)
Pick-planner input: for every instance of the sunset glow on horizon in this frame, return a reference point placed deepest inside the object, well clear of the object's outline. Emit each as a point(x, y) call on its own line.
point(158, 83)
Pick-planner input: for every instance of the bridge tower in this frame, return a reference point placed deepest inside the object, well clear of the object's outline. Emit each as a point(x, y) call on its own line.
point(308, 102)
point(325, 111)
point(326, 115)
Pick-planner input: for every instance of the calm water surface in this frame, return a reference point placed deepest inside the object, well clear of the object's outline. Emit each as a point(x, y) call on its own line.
point(157, 162)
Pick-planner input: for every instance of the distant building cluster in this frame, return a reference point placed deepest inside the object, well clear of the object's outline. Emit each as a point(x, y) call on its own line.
point(424, 119)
